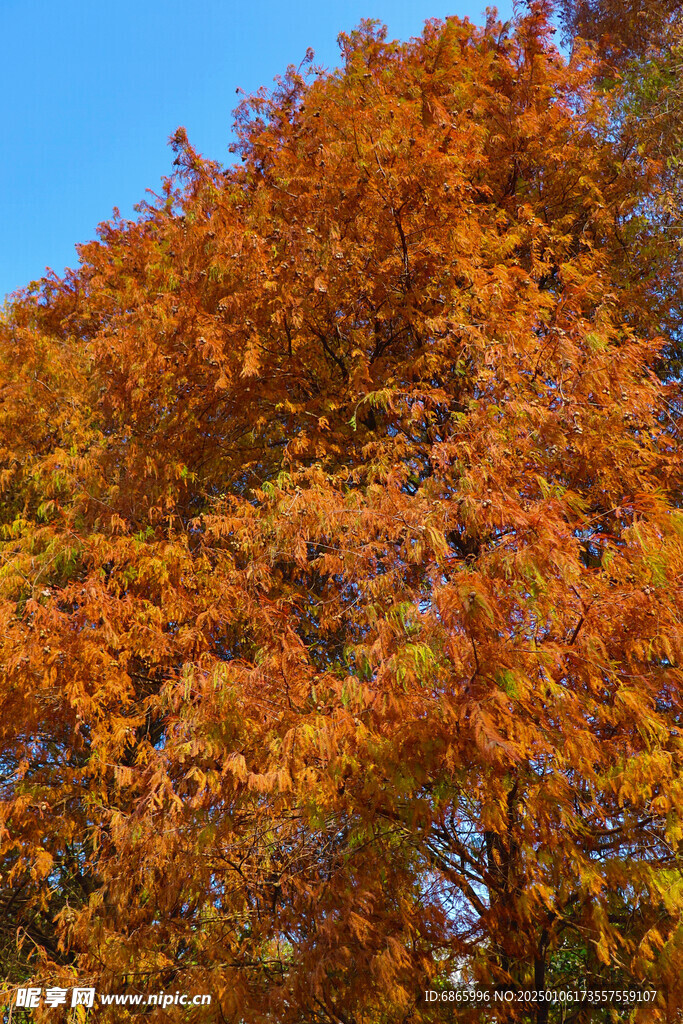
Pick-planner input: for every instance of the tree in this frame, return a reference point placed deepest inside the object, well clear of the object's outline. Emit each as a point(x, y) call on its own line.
point(638, 48)
point(622, 31)
point(342, 549)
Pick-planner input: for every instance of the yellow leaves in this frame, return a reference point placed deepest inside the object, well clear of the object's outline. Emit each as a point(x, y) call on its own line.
point(236, 764)
point(123, 775)
point(251, 361)
point(674, 827)
point(510, 683)
point(651, 944)
point(359, 926)
point(649, 725)
point(117, 524)
point(490, 741)
point(42, 864)
point(650, 770)
point(389, 966)
point(436, 541)
point(414, 662)
point(664, 649)
point(603, 950)
point(277, 781)
point(299, 551)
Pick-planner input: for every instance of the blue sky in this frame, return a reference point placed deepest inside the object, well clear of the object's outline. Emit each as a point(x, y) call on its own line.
point(92, 90)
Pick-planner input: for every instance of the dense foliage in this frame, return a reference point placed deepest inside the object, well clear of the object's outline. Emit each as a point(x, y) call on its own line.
point(342, 549)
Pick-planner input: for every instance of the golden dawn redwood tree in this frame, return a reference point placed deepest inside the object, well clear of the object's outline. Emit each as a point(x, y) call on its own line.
point(342, 550)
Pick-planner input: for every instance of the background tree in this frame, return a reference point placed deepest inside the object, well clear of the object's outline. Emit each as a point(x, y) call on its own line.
point(638, 48)
point(622, 31)
point(341, 559)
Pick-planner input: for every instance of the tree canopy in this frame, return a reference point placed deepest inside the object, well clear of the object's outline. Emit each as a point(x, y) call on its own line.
point(342, 549)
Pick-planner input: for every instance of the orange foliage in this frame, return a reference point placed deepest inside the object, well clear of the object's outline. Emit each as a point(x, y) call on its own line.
point(341, 559)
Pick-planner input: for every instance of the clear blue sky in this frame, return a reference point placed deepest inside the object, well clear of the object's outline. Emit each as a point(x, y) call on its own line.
point(92, 90)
